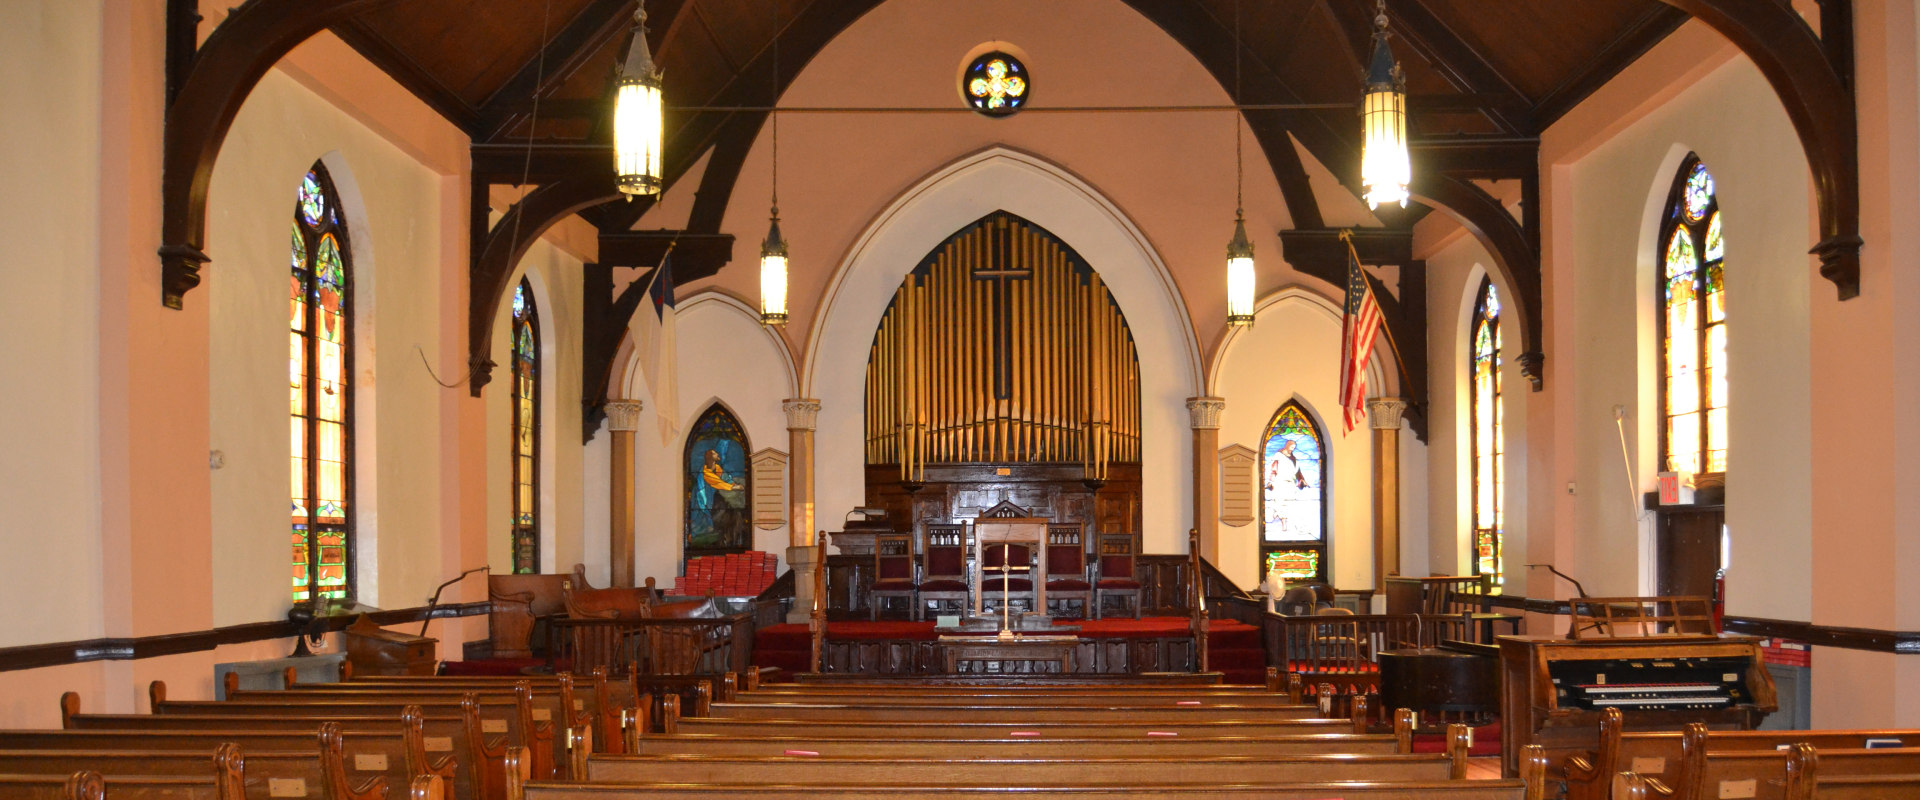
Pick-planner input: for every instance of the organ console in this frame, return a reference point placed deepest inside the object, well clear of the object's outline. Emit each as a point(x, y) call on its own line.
point(1661, 677)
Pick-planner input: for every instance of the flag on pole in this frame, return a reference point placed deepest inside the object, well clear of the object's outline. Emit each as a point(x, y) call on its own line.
point(1359, 327)
point(655, 348)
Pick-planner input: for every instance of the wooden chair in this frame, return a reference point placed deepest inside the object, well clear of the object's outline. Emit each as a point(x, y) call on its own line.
point(893, 576)
point(1114, 574)
point(943, 570)
point(1067, 568)
point(997, 586)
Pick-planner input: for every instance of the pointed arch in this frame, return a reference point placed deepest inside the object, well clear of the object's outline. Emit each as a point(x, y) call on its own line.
point(1485, 420)
point(1692, 325)
point(718, 485)
point(1293, 495)
point(525, 455)
point(320, 365)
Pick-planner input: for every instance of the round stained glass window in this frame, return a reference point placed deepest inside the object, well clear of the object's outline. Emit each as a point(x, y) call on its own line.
point(996, 84)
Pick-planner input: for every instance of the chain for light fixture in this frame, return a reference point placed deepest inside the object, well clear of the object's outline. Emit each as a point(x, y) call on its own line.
point(1386, 167)
point(637, 121)
point(1240, 273)
point(773, 251)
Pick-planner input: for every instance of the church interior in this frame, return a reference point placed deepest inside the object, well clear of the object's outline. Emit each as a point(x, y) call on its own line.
point(806, 398)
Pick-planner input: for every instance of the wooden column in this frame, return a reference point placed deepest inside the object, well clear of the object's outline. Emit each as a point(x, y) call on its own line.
point(1204, 414)
point(802, 413)
point(1383, 415)
point(622, 417)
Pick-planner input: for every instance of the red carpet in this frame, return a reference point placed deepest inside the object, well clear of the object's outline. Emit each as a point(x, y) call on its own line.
point(1233, 647)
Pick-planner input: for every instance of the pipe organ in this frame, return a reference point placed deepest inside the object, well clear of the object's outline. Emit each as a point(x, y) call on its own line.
point(1002, 346)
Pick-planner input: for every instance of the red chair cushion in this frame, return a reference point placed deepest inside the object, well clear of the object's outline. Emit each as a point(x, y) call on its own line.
point(1013, 584)
point(1116, 567)
point(1067, 585)
point(893, 586)
point(943, 586)
point(1018, 554)
point(1119, 583)
point(946, 561)
point(1065, 559)
point(896, 568)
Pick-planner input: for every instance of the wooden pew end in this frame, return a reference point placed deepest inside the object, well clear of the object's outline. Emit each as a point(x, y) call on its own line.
point(427, 787)
point(231, 683)
point(1533, 771)
point(69, 707)
point(1459, 742)
point(1403, 724)
point(86, 785)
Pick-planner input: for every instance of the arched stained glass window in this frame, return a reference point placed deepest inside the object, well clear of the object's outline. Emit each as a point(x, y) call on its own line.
point(1693, 326)
point(526, 431)
point(1293, 496)
point(1489, 477)
point(717, 516)
point(319, 362)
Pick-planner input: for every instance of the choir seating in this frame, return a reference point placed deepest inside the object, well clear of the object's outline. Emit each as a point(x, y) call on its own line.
point(1114, 575)
point(943, 571)
point(1664, 755)
point(1067, 568)
point(893, 574)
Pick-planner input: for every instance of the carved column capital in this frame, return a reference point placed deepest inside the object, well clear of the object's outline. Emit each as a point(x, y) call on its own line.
point(623, 415)
point(802, 412)
point(1204, 412)
point(1384, 413)
point(1533, 367)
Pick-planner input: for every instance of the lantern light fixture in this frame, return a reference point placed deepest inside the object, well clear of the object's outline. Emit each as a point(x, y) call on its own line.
point(1385, 165)
point(637, 119)
point(1240, 274)
point(773, 251)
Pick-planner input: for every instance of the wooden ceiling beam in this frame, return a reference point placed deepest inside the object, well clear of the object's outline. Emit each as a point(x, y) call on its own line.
point(1458, 62)
point(407, 72)
point(604, 320)
point(584, 36)
point(1650, 29)
point(646, 248)
point(1478, 157)
point(224, 69)
point(1515, 258)
point(515, 164)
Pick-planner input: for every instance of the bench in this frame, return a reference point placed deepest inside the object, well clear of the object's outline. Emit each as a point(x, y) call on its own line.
point(316, 772)
point(608, 705)
point(538, 718)
point(964, 711)
point(91, 785)
point(1658, 754)
point(1801, 772)
point(1263, 700)
point(715, 745)
point(1027, 771)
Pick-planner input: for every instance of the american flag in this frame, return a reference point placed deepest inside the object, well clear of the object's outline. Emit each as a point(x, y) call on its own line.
point(1359, 327)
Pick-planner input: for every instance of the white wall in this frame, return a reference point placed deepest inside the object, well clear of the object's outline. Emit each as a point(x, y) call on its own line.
point(1732, 119)
point(50, 467)
point(726, 356)
point(392, 204)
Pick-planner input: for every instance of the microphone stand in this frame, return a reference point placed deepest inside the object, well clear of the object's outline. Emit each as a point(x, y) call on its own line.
point(434, 601)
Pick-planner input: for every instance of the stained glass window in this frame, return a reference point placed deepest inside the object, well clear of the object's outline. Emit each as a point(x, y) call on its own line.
point(717, 517)
point(1293, 495)
point(1489, 477)
point(1693, 326)
point(996, 84)
point(319, 361)
point(526, 431)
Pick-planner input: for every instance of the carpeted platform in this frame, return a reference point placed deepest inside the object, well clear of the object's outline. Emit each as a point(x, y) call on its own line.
point(1233, 647)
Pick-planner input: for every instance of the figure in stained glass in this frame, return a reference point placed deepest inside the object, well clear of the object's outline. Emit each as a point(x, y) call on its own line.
point(1293, 494)
point(717, 485)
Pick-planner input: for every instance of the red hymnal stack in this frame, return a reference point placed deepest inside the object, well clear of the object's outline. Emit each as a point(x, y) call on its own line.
point(732, 575)
point(1786, 653)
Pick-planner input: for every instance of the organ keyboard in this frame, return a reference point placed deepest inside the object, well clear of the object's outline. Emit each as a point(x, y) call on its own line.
point(1553, 690)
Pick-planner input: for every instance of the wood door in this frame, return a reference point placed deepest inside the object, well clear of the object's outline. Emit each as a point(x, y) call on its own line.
point(1688, 549)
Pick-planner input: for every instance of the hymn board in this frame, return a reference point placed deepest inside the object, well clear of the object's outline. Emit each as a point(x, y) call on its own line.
point(1004, 370)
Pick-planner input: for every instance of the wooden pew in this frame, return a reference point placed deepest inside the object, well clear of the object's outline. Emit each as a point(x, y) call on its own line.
point(540, 716)
point(1276, 683)
point(318, 771)
point(609, 705)
point(1531, 787)
point(219, 776)
point(78, 786)
point(966, 711)
point(1658, 754)
point(488, 724)
point(1809, 774)
point(1262, 699)
point(715, 745)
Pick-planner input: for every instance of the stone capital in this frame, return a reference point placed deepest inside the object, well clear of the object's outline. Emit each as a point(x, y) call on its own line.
point(623, 415)
point(1384, 413)
point(802, 413)
point(1204, 412)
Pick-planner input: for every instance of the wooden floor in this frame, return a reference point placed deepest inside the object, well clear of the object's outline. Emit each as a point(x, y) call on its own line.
point(1483, 768)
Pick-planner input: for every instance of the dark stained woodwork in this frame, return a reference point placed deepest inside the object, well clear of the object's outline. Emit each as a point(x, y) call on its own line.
point(1463, 66)
point(1819, 101)
point(1515, 258)
point(224, 70)
point(692, 252)
point(604, 324)
point(1655, 25)
point(544, 162)
point(1322, 254)
point(400, 66)
point(600, 23)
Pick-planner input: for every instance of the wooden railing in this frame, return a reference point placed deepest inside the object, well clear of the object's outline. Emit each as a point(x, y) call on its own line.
point(656, 646)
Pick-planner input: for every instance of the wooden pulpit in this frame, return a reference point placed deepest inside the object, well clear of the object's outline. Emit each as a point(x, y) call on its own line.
point(374, 650)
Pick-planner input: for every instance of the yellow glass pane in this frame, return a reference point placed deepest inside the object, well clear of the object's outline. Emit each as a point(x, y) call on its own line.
point(1717, 438)
point(1717, 366)
point(1683, 442)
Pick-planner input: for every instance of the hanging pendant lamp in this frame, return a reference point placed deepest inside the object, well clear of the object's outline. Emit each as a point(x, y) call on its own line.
point(1385, 165)
point(637, 120)
point(773, 251)
point(1240, 273)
